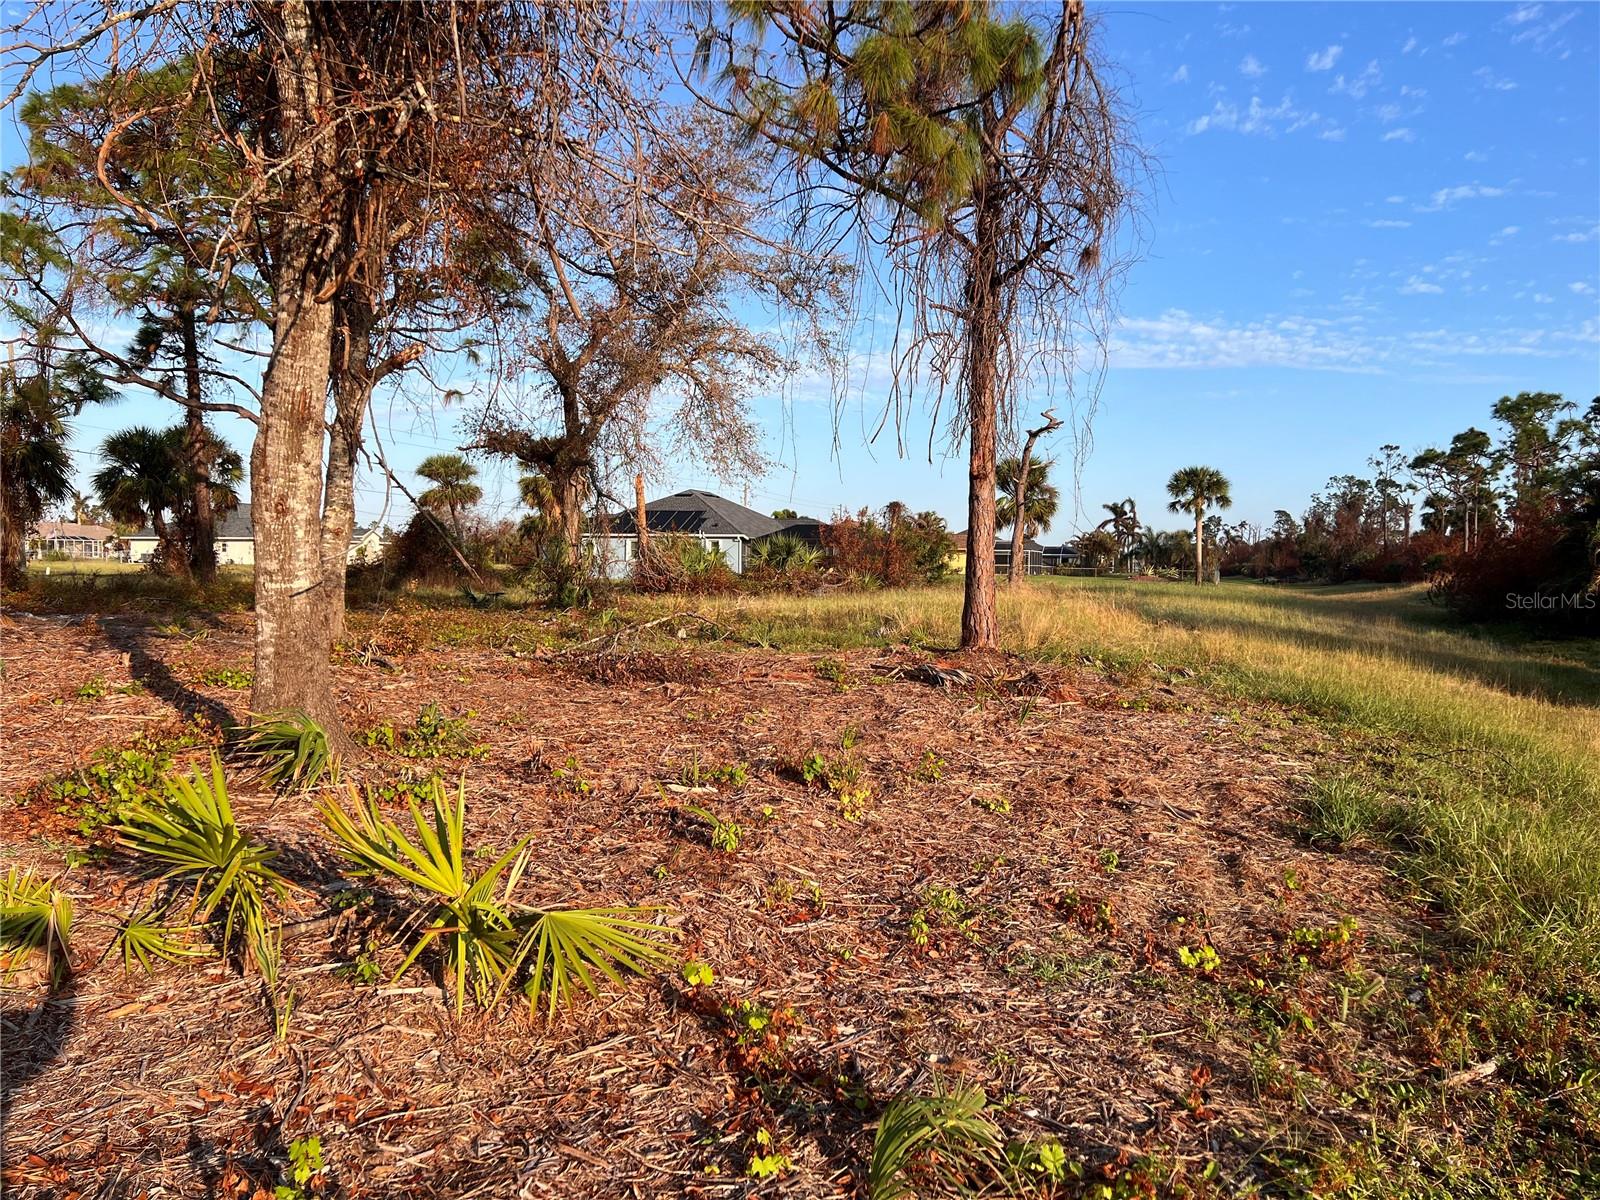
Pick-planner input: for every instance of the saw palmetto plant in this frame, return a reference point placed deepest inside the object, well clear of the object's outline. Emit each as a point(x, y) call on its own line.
point(192, 831)
point(943, 1143)
point(35, 918)
point(289, 749)
point(486, 936)
point(147, 937)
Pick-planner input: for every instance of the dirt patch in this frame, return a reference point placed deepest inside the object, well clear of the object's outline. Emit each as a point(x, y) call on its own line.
point(1000, 895)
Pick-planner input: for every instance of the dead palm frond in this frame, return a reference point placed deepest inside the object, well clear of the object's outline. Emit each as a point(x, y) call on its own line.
point(944, 1143)
point(35, 916)
point(488, 937)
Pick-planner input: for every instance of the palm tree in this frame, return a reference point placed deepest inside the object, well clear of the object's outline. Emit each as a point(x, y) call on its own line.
point(1039, 505)
point(35, 468)
point(1124, 524)
point(140, 483)
point(1195, 489)
point(453, 490)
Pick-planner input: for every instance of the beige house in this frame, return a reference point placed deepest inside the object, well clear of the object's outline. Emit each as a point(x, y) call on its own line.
point(236, 542)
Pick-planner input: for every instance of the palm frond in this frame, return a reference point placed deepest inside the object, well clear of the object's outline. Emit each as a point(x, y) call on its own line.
point(486, 937)
point(944, 1142)
point(35, 916)
point(193, 832)
point(146, 938)
point(570, 945)
point(289, 749)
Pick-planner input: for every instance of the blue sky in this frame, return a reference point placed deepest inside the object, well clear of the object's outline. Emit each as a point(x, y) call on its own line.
point(1369, 221)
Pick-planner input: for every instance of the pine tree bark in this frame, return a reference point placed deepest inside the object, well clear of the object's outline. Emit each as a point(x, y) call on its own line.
point(979, 624)
point(293, 648)
point(201, 534)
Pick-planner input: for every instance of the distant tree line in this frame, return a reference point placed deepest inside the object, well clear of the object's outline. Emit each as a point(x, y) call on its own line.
point(1510, 511)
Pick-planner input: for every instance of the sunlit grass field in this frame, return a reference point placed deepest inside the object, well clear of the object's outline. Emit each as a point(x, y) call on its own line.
point(1478, 756)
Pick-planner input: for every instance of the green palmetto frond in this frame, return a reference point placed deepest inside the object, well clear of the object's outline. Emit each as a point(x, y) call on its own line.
point(35, 916)
point(943, 1143)
point(487, 937)
point(193, 832)
point(571, 943)
point(289, 749)
point(146, 937)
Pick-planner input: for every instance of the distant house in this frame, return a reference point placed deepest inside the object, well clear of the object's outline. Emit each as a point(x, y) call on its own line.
point(236, 542)
point(71, 539)
point(714, 521)
point(1037, 559)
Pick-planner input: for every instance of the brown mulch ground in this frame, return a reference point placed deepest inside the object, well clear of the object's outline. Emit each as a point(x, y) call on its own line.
point(1086, 832)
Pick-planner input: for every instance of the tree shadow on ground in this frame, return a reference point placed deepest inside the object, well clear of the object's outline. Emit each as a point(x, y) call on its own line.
point(35, 1038)
point(133, 638)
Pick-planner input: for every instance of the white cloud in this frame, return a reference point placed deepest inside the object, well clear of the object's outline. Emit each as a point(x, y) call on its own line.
point(1411, 44)
point(1495, 83)
point(1357, 86)
point(1418, 286)
point(1255, 118)
point(1538, 298)
point(1589, 235)
point(1394, 199)
point(1332, 135)
point(1445, 197)
point(1580, 289)
point(1455, 39)
point(1181, 75)
point(1323, 60)
point(1177, 339)
point(1250, 67)
point(1400, 135)
point(1386, 223)
point(1510, 231)
point(1475, 156)
point(1541, 34)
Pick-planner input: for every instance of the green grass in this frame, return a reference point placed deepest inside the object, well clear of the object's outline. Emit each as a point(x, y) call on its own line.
point(1478, 755)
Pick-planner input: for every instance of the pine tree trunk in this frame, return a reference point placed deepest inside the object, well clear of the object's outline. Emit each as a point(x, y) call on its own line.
point(979, 623)
point(201, 534)
point(292, 633)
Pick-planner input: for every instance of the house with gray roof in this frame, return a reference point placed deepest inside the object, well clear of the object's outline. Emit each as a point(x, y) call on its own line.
point(716, 522)
point(236, 541)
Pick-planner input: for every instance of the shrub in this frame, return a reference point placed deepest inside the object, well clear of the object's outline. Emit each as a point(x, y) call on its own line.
point(682, 564)
point(893, 548)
